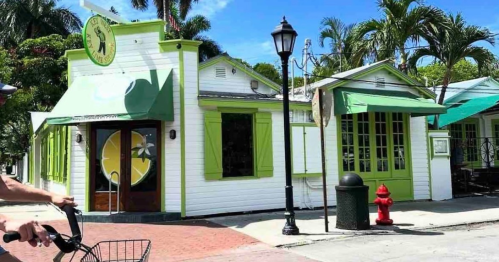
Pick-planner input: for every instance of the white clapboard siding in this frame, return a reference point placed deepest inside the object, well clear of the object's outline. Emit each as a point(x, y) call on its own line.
point(232, 83)
point(55, 187)
point(298, 150)
point(133, 57)
point(312, 187)
point(419, 146)
point(313, 150)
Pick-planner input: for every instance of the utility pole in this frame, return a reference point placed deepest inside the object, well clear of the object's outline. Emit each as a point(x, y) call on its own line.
point(308, 42)
point(293, 76)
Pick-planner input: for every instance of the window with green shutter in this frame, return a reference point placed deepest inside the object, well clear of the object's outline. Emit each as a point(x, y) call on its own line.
point(238, 143)
point(53, 154)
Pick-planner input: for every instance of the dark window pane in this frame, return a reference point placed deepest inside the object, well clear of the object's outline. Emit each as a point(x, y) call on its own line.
point(237, 145)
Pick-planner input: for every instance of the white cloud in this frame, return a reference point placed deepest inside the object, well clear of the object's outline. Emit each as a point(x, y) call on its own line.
point(253, 51)
point(208, 8)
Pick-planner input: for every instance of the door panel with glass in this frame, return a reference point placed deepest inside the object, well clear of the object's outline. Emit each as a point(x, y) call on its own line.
point(127, 157)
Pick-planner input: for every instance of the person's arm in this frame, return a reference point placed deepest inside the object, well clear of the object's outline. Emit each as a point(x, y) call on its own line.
point(12, 190)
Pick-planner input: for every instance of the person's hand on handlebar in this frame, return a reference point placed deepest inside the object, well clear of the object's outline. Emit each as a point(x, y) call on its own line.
point(27, 230)
point(61, 200)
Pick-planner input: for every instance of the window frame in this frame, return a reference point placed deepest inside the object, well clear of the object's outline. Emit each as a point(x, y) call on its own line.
point(392, 173)
point(475, 121)
point(251, 112)
point(303, 126)
point(495, 140)
point(253, 126)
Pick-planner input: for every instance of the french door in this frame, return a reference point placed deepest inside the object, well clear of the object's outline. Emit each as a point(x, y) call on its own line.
point(126, 165)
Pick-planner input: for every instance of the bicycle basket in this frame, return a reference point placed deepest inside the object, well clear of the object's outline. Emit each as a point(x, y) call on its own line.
point(119, 251)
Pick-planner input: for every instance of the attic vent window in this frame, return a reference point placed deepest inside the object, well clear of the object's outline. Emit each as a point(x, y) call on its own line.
point(220, 72)
point(380, 82)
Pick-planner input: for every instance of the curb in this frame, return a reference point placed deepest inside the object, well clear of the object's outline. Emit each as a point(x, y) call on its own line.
point(358, 233)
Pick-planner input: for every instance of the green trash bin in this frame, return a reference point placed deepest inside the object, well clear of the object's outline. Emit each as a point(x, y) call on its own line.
point(352, 203)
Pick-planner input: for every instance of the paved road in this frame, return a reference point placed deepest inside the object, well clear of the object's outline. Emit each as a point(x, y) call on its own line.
point(475, 243)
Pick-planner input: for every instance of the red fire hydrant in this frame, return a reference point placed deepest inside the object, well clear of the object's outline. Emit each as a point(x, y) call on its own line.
point(384, 202)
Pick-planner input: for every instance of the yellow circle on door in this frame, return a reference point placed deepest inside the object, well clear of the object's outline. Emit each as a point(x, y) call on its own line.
point(111, 158)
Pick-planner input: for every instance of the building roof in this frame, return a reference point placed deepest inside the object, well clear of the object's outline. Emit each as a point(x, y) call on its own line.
point(347, 74)
point(463, 86)
point(37, 119)
point(248, 70)
point(344, 77)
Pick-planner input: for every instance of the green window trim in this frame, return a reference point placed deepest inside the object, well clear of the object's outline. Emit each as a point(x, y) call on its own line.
point(462, 132)
point(263, 152)
point(373, 174)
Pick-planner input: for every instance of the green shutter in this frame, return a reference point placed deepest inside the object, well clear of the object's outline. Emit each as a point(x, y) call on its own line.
point(213, 169)
point(264, 156)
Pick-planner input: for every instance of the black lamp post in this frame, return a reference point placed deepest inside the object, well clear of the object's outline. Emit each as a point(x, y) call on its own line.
point(284, 40)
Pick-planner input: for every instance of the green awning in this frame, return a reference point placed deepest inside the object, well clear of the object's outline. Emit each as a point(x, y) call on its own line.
point(146, 95)
point(353, 101)
point(470, 108)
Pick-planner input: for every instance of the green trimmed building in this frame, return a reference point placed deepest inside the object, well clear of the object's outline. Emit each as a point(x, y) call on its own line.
point(157, 131)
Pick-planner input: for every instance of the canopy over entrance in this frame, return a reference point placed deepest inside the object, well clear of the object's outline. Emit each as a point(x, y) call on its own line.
point(469, 108)
point(353, 101)
point(146, 95)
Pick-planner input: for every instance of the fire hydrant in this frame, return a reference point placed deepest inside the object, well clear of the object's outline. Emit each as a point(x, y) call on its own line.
point(384, 202)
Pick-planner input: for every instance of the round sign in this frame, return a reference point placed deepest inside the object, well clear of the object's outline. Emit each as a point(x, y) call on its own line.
point(99, 41)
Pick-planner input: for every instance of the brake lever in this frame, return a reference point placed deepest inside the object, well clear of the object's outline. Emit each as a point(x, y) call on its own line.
point(59, 256)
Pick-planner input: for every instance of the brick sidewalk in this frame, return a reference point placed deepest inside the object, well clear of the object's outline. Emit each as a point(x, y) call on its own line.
point(198, 240)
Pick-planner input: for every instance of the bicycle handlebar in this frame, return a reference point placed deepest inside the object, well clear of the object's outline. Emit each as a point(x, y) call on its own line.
point(65, 246)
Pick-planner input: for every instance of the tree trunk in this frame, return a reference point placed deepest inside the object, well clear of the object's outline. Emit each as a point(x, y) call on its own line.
point(166, 12)
point(403, 60)
point(441, 98)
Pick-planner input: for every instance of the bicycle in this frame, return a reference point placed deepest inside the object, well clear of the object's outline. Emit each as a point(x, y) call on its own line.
point(126, 250)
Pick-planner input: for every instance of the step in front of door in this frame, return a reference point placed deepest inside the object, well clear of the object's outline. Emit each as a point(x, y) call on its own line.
point(129, 217)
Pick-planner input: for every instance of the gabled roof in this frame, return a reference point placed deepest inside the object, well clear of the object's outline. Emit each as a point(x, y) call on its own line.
point(247, 70)
point(37, 120)
point(463, 86)
point(342, 78)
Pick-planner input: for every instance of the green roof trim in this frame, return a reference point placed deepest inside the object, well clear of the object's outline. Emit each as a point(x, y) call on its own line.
point(353, 101)
point(249, 71)
point(387, 66)
point(470, 108)
point(246, 103)
point(146, 95)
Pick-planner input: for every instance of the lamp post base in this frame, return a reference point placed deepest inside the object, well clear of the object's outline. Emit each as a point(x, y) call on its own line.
point(290, 228)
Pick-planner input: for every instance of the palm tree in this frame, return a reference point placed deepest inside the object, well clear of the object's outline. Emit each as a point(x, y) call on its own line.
point(23, 19)
point(341, 42)
point(191, 29)
point(451, 45)
point(387, 36)
point(163, 7)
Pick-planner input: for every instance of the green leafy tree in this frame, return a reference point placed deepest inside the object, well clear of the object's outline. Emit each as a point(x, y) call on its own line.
point(24, 19)
point(453, 45)
point(346, 53)
point(192, 29)
point(243, 62)
point(269, 71)
point(402, 23)
point(462, 71)
point(38, 68)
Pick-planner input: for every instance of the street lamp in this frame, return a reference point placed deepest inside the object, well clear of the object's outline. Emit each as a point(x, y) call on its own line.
point(284, 40)
point(5, 90)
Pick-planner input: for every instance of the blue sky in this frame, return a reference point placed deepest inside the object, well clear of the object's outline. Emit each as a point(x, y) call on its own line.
point(243, 27)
